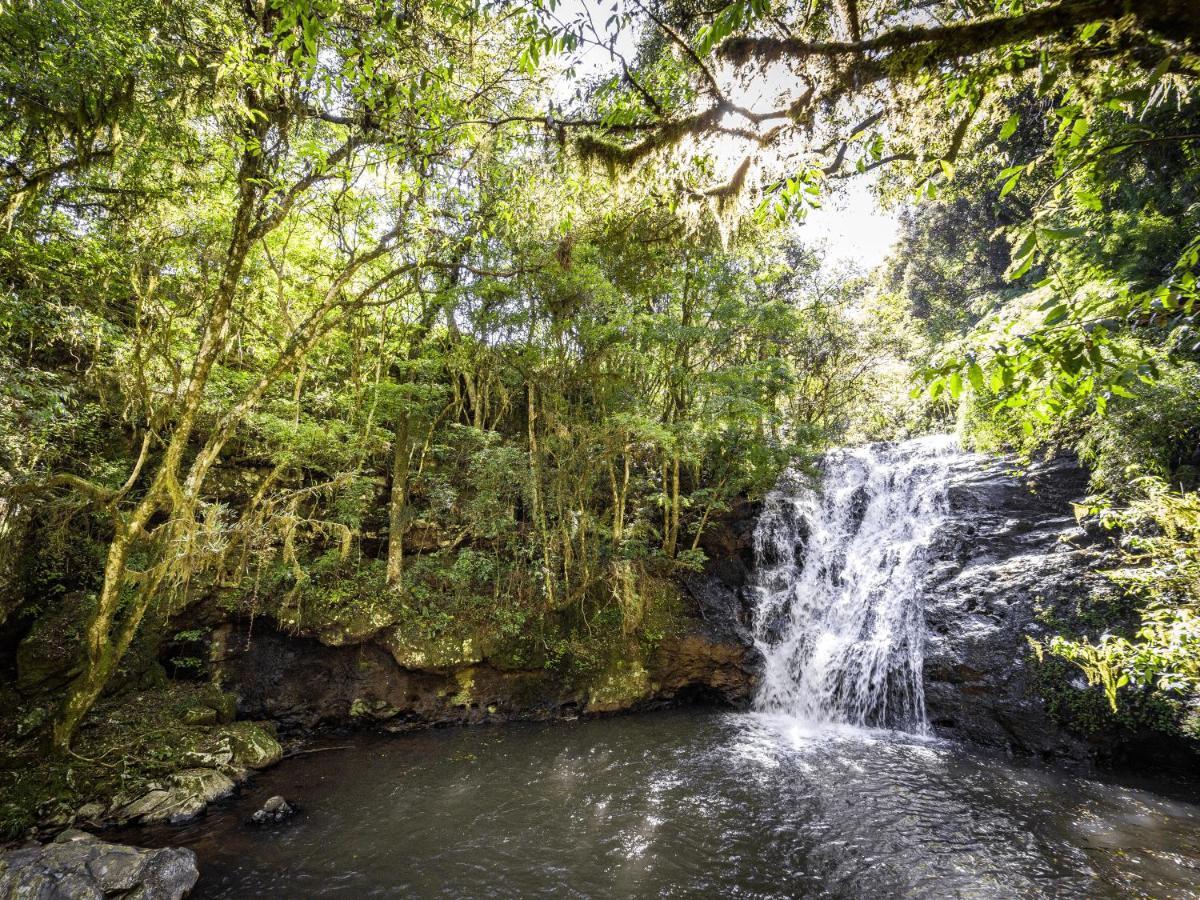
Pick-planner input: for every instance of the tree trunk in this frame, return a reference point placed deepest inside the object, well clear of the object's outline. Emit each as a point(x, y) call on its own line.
point(399, 498)
point(164, 490)
point(535, 498)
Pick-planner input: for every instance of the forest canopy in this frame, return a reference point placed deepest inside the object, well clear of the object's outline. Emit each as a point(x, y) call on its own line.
point(349, 311)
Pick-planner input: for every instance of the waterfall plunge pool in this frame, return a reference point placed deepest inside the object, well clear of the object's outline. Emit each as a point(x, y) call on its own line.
point(707, 804)
point(690, 803)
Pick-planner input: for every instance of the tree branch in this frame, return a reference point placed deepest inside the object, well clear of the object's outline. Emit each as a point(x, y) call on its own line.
point(946, 42)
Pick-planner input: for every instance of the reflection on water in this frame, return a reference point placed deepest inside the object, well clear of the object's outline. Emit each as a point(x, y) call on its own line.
point(689, 804)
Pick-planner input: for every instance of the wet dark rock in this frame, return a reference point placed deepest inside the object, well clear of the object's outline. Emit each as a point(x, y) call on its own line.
point(858, 505)
point(1010, 551)
point(720, 594)
point(79, 866)
point(275, 809)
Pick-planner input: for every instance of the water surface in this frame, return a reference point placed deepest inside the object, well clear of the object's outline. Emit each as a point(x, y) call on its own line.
point(690, 804)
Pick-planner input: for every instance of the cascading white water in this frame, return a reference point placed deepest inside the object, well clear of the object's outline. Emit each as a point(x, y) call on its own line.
point(838, 617)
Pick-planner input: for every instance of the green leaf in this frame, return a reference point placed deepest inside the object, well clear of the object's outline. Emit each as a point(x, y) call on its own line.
point(975, 376)
point(1009, 128)
point(1021, 269)
point(1089, 200)
point(1009, 185)
point(1026, 246)
point(1056, 315)
point(1061, 234)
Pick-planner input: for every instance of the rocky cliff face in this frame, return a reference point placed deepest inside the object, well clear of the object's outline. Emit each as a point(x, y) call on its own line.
point(398, 683)
point(300, 683)
point(1011, 565)
point(1010, 554)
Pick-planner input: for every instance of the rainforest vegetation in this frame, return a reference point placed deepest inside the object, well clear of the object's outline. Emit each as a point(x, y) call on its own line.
point(472, 318)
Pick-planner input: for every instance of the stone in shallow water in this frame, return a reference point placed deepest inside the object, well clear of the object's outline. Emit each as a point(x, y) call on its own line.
point(252, 746)
point(276, 809)
point(79, 866)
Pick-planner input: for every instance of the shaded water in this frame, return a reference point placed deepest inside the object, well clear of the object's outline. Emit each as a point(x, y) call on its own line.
point(689, 804)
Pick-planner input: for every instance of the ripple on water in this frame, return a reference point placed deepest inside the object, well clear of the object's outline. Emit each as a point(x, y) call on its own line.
point(686, 805)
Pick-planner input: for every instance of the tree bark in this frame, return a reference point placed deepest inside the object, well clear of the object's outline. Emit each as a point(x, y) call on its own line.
point(102, 655)
point(399, 500)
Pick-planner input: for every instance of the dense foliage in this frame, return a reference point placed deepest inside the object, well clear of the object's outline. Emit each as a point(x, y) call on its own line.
point(337, 310)
point(300, 317)
point(1067, 323)
point(1048, 276)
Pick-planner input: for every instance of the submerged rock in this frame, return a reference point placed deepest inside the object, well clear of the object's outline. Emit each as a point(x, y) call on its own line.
point(79, 866)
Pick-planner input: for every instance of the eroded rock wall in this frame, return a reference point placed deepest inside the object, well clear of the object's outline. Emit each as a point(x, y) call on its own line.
point(301, 683)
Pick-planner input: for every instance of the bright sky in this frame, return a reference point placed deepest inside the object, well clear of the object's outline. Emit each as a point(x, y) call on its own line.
point(850, 224)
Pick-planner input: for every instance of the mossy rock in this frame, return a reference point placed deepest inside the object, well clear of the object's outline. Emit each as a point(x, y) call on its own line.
point(465, 695)
point(52, 653)
point(431, 654)
point(207, 705)
point(200, 715)
point(375, 710)
point(512, 654)
point(619, 686)
point(252, 745)
point(189, 793)
point(349, 625)
point(222, 702)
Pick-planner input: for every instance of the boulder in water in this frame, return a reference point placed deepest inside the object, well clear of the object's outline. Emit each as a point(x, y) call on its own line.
point(275, 809)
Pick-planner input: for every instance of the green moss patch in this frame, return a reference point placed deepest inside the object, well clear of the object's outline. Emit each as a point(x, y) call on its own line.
point(130, 745)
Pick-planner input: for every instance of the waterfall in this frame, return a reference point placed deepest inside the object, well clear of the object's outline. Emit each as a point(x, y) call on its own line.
point(838, 617)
